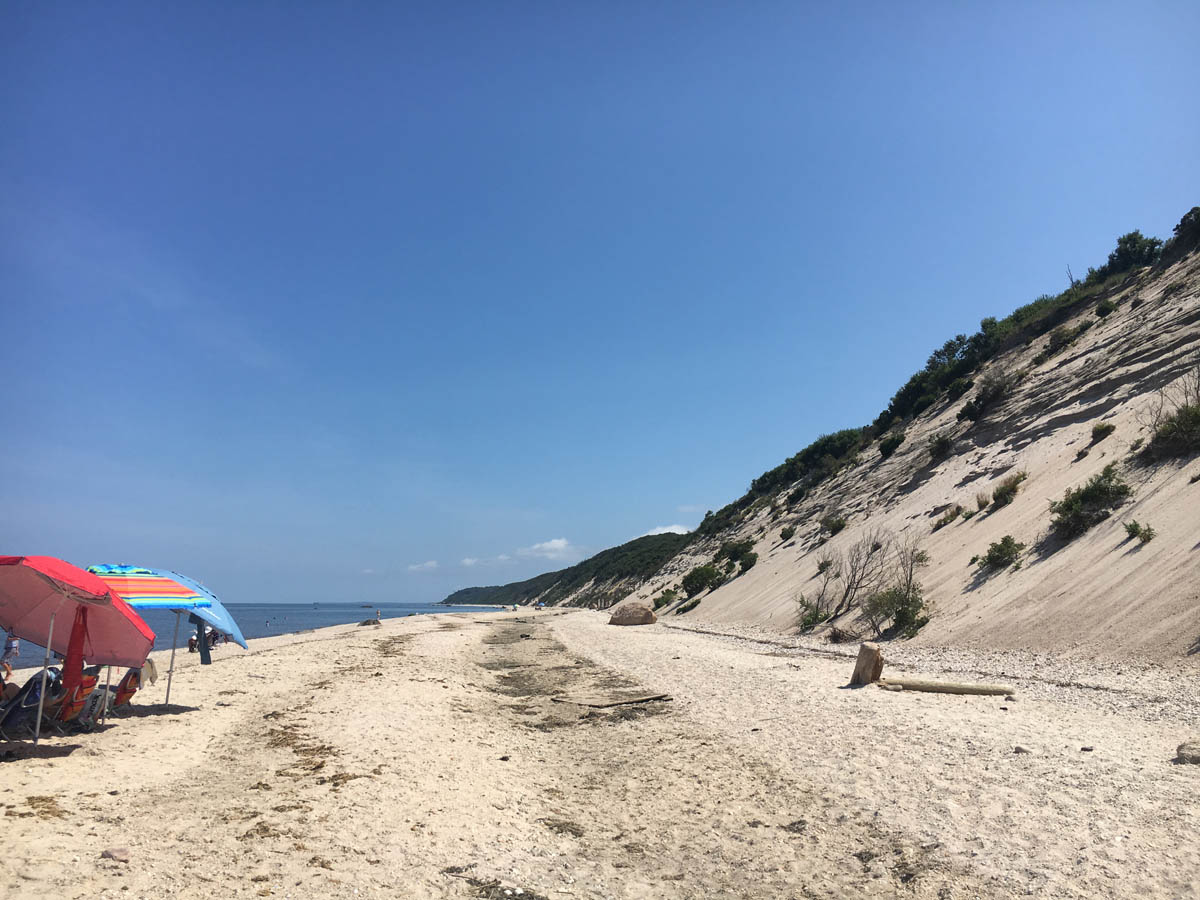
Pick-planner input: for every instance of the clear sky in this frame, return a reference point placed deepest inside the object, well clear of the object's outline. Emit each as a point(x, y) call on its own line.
point(373, 301)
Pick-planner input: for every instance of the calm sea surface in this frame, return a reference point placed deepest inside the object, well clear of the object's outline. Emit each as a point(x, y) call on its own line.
point(259, 620)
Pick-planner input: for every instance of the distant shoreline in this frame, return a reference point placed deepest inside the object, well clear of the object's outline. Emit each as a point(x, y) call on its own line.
point(255, 620)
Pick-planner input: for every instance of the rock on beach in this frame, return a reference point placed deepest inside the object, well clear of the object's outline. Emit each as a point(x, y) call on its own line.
point(1188, 752)
point(633, 614)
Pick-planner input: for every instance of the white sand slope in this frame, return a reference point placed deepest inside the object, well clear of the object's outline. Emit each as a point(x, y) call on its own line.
point(1100, 594)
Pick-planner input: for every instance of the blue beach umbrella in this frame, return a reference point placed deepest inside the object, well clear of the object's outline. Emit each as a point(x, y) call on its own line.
point(144, 588)
point(215, 614)
point(162, 589)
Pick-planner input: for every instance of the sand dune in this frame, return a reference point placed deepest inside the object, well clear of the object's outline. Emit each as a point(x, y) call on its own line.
point(1103, 594)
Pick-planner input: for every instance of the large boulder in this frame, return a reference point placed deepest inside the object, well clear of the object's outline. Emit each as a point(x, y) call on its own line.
point(1189, 752)
point(633, 614)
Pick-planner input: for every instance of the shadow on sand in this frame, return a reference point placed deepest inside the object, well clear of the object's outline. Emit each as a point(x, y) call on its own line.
point(1049, 544)
point(154, 709)
point(11, 751)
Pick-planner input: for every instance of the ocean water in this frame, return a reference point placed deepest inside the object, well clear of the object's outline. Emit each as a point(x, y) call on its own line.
point(259, 620)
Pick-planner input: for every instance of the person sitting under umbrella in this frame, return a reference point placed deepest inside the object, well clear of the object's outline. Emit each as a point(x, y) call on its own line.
point(8, 688)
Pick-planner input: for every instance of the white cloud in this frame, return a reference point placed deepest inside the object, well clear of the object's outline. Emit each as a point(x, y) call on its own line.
point(555, 548)
point(428, 566)
point(368, 571)
point(476, 562)
point(668, 529)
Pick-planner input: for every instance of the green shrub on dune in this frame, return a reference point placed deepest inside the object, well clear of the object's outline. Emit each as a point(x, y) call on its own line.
point(1090, 504)
point(940, 446)
point(666, 598)
point(993, 389)
point(700, 578)
point(1175, 418)
point(1006, 491)
point(833, 523)
point(1002, 554)
point(951, 514)
point(1144, 533)
point(888, 445)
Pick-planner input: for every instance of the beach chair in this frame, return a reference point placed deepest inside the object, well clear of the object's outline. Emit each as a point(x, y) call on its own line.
point(94, 709)
point(20, 714)
point(66, 708)
point(123, 692)
point(104, 701)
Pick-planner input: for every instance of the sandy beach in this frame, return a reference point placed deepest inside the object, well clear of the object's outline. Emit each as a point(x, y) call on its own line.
point(456, 756)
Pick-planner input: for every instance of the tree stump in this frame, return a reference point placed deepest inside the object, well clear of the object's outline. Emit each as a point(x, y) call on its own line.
point(869, 665)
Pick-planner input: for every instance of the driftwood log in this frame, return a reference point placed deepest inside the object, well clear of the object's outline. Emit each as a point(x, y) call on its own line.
point(869, 665)
point(945, 687)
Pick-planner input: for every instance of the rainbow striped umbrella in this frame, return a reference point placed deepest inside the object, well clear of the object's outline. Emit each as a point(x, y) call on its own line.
point(144, 588)
point(150, 588)
point(141, 587)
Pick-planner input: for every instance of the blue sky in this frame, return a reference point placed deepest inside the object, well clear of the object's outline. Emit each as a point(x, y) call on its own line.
point(371, 301)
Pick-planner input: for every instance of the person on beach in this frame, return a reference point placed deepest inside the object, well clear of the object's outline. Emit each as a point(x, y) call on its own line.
point(12, 647)
point(8, 689)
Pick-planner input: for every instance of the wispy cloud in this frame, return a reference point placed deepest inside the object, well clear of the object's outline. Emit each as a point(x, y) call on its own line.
point(668, 529)
point(428, 566)
point(555, 548)
point(369, 572)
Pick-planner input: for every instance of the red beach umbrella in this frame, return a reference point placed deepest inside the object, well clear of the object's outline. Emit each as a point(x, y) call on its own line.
point(36, 589)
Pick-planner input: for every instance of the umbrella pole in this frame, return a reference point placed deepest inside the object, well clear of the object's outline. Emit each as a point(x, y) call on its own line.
point(171, 667)
point(107, 695)
point(37, 728)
